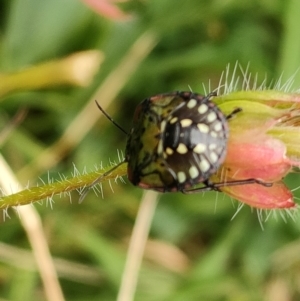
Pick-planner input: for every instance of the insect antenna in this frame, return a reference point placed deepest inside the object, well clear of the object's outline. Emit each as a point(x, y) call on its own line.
point(110, 118)
point(97, 180)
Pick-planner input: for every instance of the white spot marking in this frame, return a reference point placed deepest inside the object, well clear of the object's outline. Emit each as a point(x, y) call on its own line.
point(181, 177)
point(191, 103)
point(163, 126)
point(194, 172)
point(218, 127)
point(200, 148)
point(203, 128)
point(212, 146)
point(212, 116)
point(169, 151)
point(214, 134)
point(160, 147)
point(186, 122)
point(182, 149)
point(213, 157)
point(204, 165)
point(173, 120)
point(202, 108)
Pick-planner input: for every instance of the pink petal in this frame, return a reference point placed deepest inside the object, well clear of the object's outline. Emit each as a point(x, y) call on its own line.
point(106, 9)
point(254, 154)
point(258, 196)
point(263, 159)
point(267, 173)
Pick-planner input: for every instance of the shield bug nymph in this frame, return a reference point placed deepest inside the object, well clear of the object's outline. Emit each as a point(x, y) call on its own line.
point(177, 140)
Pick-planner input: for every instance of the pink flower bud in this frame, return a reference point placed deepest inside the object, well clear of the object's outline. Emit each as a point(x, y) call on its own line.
point(264, 144)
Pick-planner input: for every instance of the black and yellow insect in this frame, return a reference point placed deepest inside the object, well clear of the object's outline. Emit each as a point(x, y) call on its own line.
point(177, 140)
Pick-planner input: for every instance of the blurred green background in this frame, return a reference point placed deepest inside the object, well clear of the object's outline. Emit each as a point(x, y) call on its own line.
point(199, 253)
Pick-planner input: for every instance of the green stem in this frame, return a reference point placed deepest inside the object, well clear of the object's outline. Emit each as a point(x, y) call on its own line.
point(34, 194)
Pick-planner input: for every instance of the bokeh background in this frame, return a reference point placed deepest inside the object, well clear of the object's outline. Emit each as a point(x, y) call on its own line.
point(196, 251)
